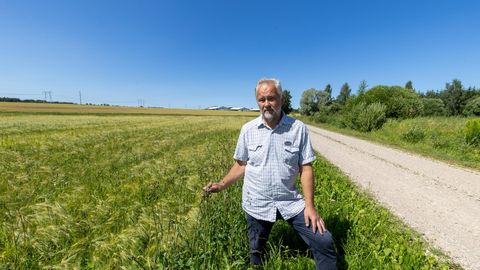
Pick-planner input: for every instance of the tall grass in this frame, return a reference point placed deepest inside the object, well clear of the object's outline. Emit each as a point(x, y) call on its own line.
point(123, 192)
point(101, 192)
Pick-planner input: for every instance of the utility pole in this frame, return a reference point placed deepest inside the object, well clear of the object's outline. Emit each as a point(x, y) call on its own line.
point(80, 95)
point(49, 93)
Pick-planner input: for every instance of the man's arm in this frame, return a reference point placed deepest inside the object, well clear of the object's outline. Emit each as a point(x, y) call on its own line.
point(236, 172)
point(311, 216)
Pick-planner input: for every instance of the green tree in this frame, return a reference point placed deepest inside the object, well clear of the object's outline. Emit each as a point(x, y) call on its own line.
point(309, 101)
point(409, 85)
point(453, 97)
point(430, 94)
point(344, 94)
point(328, 89)
point(472, 108)
point(433, 107)
point(325, 96)
point(399, 102)
point(362, 88)
point(287, 102)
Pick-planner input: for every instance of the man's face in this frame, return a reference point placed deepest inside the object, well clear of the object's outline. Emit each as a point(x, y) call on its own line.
point(269, 101)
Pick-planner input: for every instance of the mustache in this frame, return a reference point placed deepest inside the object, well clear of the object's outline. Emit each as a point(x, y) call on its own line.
point(269, 110)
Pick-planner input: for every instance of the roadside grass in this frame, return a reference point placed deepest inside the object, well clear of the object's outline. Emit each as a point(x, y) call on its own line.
point(441, 138)
point(124, 192)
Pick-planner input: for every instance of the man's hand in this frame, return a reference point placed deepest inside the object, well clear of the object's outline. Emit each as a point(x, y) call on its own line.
point(314, 220)
point(213, 187)
point(235, 173)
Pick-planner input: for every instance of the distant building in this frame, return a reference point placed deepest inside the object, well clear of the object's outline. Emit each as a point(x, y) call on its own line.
point(218, 108)
point(254, 110)
point(224, 108)
point(243, 109)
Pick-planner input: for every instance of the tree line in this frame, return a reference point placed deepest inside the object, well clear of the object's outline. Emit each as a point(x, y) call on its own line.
point(371, 107)
point(9, 99)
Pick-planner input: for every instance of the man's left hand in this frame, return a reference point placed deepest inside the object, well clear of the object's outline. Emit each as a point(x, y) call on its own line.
point(314, 220)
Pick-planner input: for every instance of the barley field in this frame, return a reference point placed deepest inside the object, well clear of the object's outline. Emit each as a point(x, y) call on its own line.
point(122, 190)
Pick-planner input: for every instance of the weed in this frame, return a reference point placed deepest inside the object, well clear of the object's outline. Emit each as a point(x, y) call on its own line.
point(414, 135)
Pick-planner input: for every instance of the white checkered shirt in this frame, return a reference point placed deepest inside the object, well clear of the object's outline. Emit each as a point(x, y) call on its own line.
point(273, 158)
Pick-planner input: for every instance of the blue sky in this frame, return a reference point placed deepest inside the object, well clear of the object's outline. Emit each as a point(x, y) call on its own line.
point(202, 53)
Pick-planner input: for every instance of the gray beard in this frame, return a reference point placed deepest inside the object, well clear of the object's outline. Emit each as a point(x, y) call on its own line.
point(269, 116)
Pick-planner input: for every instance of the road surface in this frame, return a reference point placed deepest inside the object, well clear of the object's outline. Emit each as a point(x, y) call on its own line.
point(437, 199)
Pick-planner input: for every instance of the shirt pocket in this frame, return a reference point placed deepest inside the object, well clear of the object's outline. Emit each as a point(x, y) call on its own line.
point(255, 154)
point(290, 155)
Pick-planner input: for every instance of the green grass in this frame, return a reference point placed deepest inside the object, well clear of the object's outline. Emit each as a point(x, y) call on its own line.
point(367, 235)
point(441, 138)
point(124, 191)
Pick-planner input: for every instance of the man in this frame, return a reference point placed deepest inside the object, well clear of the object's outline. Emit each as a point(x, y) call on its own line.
point(271, 151)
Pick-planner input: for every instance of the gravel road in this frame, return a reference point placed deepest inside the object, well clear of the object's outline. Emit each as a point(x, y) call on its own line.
point(437, 199)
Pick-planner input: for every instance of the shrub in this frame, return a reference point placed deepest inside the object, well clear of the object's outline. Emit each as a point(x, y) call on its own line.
point(473, 107)
point(320, 117)
point(365, 117)
point(414, 135)
point(433, 107)
point(399, 102)
point(472, 132)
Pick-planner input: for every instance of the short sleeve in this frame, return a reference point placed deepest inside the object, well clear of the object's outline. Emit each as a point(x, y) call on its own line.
point(241, 151)
point(307, 154)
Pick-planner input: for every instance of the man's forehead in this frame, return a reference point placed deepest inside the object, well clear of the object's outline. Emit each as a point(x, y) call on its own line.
point(267, 88)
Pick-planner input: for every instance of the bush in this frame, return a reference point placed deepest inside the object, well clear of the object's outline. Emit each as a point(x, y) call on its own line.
point(472, 132)
point(399, 102)
point(365, 117)
point(473, 107)
point(414, 135)
point(433, 107)
point(320, 117)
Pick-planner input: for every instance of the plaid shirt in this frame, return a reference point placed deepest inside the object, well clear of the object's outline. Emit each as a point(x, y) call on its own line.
point(273, 158)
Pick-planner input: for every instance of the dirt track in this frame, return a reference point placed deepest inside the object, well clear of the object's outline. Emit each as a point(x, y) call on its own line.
point(436, 199)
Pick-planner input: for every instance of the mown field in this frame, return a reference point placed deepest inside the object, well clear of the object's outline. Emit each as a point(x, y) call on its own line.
point(116, 191)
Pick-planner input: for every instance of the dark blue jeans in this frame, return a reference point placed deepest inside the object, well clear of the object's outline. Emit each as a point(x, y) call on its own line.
point(321, 246)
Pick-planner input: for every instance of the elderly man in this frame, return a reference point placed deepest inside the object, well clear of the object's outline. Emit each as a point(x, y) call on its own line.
point(271, 151)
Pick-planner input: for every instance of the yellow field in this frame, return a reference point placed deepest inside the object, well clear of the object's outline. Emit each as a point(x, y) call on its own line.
point(82, 109)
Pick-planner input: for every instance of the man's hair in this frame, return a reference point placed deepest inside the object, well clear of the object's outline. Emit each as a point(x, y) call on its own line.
point(276, 82)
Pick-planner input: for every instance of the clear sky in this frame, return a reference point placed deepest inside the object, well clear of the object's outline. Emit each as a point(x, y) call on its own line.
point(202, 53)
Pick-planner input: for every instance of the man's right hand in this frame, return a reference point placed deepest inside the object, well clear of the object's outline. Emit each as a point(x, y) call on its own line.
point(213, 187)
